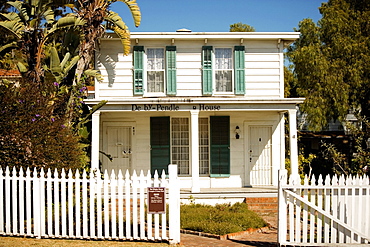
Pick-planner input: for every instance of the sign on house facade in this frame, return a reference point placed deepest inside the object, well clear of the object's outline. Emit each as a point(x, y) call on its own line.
point(212, 103)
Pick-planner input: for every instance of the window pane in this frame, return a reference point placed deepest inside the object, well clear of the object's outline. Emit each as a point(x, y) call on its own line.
point(224, 58)
point(223, 81)
point(180, 144)
point(203, 146)
point(155, 81)
point(155, 59)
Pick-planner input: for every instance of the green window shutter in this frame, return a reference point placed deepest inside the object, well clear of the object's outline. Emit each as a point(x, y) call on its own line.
point(207, 70)
point(171, 69)
point(159, 144)
point(138, 54)
point(220, 145)
point(239, 62)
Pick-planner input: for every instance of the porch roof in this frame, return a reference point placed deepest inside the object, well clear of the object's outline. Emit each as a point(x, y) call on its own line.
point(202, 104)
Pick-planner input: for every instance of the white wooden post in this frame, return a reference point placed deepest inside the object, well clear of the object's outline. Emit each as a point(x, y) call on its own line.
point(7, 201)
point(194, 118)
point(95, 141)
point(1, 202)
point(77, 204)
point(56, 204)
point(120, 184)
point(36, 204)
point(282, 213)
point(293, 145)
point(14, 201)
point(63, 203)
point(21, 205)
point(174, 206)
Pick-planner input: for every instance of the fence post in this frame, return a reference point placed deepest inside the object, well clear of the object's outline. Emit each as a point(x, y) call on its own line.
point(282, 212)
point(174, 205)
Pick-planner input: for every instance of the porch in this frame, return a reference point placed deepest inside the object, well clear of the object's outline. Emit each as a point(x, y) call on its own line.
point(226, 195)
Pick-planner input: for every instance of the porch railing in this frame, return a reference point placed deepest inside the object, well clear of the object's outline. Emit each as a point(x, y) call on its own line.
point(324, 212)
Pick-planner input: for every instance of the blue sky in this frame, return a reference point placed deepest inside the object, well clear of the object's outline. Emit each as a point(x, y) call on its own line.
point(217, 15)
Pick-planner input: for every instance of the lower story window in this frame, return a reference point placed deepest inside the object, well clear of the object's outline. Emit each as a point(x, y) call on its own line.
point(170, 143)
point(203, 146)
point(180, 144)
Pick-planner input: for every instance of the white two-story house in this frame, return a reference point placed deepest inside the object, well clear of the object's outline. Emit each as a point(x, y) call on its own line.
point(212, 103)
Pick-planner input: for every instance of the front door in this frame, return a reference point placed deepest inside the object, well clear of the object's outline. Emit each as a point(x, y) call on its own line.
point(119, 147)
point(260, 160)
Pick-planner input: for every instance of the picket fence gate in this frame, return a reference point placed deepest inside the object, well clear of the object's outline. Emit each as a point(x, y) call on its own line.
point(85, 206)
point(334, 211)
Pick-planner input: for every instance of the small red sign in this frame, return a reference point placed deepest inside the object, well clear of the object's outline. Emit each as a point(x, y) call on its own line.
point(156, 200)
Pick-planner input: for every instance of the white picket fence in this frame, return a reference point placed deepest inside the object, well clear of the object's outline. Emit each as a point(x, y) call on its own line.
point(86, 206)
point(334, 211)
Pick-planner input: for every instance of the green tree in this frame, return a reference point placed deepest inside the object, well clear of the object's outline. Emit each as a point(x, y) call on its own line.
point(331, 68)
point(331, 62)
point(44, 121)
point(241, 27)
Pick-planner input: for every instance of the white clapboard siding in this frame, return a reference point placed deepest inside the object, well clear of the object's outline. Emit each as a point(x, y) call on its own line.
point(263, 64)
point(70, 204)
point(326, 211)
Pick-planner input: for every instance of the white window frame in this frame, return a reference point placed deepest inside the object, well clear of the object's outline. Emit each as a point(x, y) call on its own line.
point(214, 70)
point(146, 89)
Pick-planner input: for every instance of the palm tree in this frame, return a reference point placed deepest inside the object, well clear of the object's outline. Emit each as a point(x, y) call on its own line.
point(98, 19)
point(31, 28)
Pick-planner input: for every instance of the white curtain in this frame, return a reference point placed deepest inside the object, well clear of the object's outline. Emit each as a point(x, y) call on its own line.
point(223, 67)
point(155, 67)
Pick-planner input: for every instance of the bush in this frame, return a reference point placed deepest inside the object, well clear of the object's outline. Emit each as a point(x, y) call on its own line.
point(220, 219)
point(34, 129)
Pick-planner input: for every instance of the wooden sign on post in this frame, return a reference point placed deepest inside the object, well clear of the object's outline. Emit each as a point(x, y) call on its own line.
point(156, 200)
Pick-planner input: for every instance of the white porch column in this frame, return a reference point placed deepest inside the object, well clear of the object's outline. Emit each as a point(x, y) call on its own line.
point(194, 146)
point(293, 144)
point(95, 141)
point(282, 141)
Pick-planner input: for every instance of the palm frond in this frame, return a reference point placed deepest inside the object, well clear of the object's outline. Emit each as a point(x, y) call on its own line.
point(54, 61)
point(12, 16)
point(49, 16)
point(22, 9)
point(135, 10)
point(9, 45)
point(70, 65)
point(21, 67)
point(115, 19)
point(69, 21)
point(67, 56)
point(14, 27)
point(124, 36)
point(94, 73)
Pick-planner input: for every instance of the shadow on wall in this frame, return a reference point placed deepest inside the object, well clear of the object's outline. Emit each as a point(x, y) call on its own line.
point(109, 63)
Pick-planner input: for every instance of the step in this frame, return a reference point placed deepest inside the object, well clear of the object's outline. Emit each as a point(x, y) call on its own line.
point(262, 205)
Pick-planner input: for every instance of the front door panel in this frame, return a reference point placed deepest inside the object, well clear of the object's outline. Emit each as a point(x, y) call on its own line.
point(119, 146)
point(260, 165)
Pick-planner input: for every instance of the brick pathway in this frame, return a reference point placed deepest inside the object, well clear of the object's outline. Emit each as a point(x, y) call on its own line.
point(266, 238)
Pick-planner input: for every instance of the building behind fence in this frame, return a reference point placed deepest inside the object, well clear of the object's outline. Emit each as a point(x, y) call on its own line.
point(324, 212)
point(85, 206)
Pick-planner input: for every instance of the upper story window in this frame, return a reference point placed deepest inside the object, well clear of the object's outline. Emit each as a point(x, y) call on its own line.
point(223, 70)
point(154, 70)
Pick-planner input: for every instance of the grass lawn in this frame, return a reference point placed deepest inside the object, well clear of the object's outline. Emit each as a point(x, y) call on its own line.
point(220, 219)
point(20, 241)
